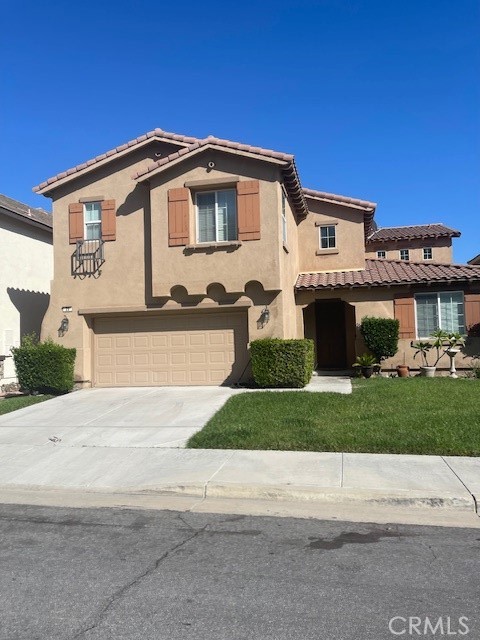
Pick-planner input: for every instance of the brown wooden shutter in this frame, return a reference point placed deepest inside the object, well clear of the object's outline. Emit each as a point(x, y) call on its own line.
point(472, 309)
point(109, 220)
point(178, 224)
point(248, 206)
point(75, 222)
point(405, 313)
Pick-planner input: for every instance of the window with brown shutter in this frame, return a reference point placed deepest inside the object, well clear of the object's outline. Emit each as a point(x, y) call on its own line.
point(109, 220)
point(472, 310)
point(248, 206)
point(75, 222)
point(178, 218)
point(404, 310)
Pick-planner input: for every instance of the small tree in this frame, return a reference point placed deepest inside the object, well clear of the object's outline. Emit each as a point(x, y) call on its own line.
point(380, 336)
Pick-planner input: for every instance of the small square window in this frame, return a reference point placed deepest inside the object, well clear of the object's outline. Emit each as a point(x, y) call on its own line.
point(328, 238)
point(404, 254)
point(427, 254)
point(92, 215)
point(381, 254)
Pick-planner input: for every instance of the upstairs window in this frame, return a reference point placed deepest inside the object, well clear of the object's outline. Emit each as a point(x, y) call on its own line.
point(284, 218)
point(328, 238)
point(404, 254)
point(92, 215)
point(444, 310)
point(381, 254)
point(427, 254)
point(216, 216)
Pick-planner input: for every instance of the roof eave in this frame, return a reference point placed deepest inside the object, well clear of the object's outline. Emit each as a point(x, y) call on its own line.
point(50, 185)
point(30, 221)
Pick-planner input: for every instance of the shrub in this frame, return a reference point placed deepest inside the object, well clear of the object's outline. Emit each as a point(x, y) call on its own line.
point(45, 367)
point(380, 336)
point(282, 363)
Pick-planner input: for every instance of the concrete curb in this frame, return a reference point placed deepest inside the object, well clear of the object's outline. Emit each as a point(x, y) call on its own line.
point(302, 494)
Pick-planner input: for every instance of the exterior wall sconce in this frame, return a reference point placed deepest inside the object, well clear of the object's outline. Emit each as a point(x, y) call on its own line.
point(264, 317)
point(63, 328)
point(67, 309)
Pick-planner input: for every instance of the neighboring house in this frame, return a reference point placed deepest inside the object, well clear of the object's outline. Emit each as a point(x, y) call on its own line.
point(26, 257)
point(418, 243)
point(172, 253)
point(475, 260)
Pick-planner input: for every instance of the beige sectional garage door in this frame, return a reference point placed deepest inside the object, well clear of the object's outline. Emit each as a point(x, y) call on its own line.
point(183, 349)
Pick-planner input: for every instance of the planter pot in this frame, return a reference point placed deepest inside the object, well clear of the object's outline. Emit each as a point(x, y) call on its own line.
point(367, 372)
point(403, 370)
point(428, 372)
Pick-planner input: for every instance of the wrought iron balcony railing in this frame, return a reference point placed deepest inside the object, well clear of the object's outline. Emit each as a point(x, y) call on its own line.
point(87, 258)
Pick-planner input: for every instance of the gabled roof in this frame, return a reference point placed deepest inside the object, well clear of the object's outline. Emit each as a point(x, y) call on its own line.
point(411, 232)
point(336, 199)
point(156, 134)
point(367, 207)
point(380, 273)
point(287, 161)
point(475, 260)
point(16, 209)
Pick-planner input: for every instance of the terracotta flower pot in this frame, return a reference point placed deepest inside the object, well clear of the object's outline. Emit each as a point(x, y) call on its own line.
point(403, 370)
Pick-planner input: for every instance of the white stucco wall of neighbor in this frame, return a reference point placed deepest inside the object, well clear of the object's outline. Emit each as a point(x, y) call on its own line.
point(26, 270)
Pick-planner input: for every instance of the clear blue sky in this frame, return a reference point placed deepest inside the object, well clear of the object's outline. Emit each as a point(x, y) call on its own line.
point(377, 99)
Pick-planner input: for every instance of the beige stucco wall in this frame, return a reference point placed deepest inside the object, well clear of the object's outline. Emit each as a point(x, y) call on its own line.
point(378, 302)
point(441, 250)
point(350, 250)
point(141, 270)
point(25, 275)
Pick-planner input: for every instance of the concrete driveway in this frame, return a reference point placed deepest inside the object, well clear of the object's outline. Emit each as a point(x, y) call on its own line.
point(125, 417)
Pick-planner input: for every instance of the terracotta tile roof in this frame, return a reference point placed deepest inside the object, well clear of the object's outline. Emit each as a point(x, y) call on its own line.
point(155, 133)
point(437, 230)
point(290, 173)
point(333, 197)
point(378, 273)
point(26, 213)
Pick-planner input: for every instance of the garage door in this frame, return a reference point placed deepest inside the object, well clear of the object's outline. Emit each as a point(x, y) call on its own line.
point(193, 349)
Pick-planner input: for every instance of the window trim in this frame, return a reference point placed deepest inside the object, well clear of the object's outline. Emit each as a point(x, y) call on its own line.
point(284, 219)
point(335, 246)
point(427, 249)
point(400, 255)
point(197, 218)
point(384, 254)
point(437, 293)
point(86, 223)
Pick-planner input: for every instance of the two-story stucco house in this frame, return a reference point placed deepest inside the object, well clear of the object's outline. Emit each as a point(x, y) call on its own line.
point(26, 258)
point(173, 253)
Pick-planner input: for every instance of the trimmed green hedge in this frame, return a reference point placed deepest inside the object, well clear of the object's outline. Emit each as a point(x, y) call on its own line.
point(282, 363)
point(45, 367)
point(380, 336)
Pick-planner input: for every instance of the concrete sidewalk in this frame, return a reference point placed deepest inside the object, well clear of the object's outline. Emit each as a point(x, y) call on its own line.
point(356, 479)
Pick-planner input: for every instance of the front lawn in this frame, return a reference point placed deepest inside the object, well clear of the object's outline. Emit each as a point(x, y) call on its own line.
point(393, 415)
point(19, 402)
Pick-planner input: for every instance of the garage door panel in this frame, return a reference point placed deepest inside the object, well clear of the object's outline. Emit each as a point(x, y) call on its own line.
point(195, 349)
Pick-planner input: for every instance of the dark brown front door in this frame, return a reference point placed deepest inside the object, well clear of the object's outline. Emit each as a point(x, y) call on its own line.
point(331, 335)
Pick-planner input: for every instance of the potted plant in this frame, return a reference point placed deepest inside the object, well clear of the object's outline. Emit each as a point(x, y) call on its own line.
point(422, 349)
point(366, 363)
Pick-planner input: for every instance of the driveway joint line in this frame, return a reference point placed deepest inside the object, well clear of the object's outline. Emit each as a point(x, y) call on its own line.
point(149, 393)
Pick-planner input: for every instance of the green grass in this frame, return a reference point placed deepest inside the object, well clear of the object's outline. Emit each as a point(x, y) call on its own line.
point(414, 415)
point(19, 402)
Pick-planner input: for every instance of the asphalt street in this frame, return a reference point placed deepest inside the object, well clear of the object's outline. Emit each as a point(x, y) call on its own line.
point(134, 574)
